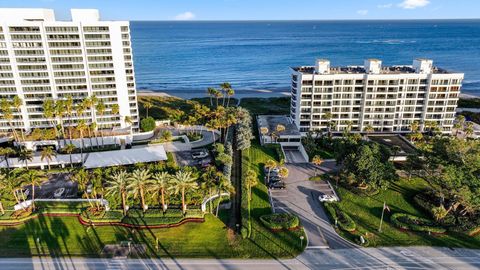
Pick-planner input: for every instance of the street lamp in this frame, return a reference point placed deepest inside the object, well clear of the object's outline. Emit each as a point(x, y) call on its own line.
point(301, 241)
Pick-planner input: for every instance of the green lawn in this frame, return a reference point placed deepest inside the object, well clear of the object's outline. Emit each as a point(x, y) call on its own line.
point(275, 105)
point(366, 212)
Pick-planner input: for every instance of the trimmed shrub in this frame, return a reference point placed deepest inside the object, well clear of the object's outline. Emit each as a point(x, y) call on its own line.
point(344, 221)
point(280, 221)
point(147, 124)
point(414, 223)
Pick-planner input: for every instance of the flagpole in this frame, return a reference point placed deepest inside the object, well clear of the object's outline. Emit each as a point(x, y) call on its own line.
point(381, 219)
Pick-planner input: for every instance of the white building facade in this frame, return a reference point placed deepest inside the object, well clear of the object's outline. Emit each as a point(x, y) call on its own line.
point(42, 58)
point(374, 98)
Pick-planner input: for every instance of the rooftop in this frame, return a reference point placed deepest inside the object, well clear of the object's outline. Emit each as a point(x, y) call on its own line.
point(46, 15)
point(362, 70)
point(272, 121)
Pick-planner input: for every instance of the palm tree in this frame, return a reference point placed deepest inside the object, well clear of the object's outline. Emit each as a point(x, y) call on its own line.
point(395, 150)
point(317, 161)
point(225, 87)
point(118, 185)
point(69, 111)
point(6, 108)
point(4, 185)
point(139, 180)
point(250, 181)
point(81, 127)
point(100, 108)
point(25, 155)
point(6, 153)
point(181, 183)
point(158, 185)
point(60, 112)
point(17, 103)
point(459, 124)
point(93, 127)
point(82, 177)
point(217, 94)
point(47, 153)
point(230, 93)
point(49, 113)
point(279, 129)
point(209, 178)
point(128, 122)
point(369, 129)
point(69, 149)
point(211, 94)
point(115, 109)
point(270, 165)
point(34, 177)
point(283, 172)
point(223, 185)
point(469, 129)
point(147, 105)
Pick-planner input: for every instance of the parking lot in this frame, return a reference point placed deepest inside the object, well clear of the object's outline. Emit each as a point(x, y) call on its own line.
point(185, 158)
point(56, 182)
point(301, 198)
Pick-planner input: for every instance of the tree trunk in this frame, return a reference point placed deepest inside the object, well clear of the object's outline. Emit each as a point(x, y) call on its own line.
point(48, 163)
point(90, 137)
point(218, 204)
point(142, 199)
point(33, 197)
point(164, 207)
point(1, 208)
point(184, 208)
point(124, 204)
point(71, 161)
point(82, 146)
point(15, 196)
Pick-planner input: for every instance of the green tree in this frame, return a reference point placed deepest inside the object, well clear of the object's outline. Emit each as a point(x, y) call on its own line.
point(209, 182)
point(270, 165)
point(34, 177)
point(223, 185)
point(25, 155)
point(6, 109)
point(82, 127)
point(69, 149)
point(317, 161)
point(17, 103)
point(100, 109)
point(147, 124)
point(6, 152)
point(250, 180)
point(139, 179)
point(117, 184)
point(147, 105)
point(182, 182)
point(158, 186)
point(48, 154)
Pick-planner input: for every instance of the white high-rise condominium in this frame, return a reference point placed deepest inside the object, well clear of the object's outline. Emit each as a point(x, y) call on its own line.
point(42, 59)
point(374, 98)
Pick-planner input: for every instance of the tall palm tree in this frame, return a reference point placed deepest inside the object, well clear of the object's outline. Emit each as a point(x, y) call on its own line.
point(47, 153)
point(217, 94)
point(100, 108)
point(118, 185)
point(250, 180)
point(469, 129)
point(6, 108)
point(317, 161)
point(128, 122)
point(158, 185)
point(209, 181)
point(139, 180)
point(459, 124)
point(59, 113)
point(81, 127)
point(25, 155)
point(270, 165)
point(230, 92)
point(69, 149)
point(17, 103)
point(69, 106)
point(93, 127)
point(369, 129)
point(225, 87)
point(147, 105)
point(211, 94)
point(181, 183)
point(34, 177)
point(4, 185)
point(6, 153)
point(82, 177)
point(48, 107)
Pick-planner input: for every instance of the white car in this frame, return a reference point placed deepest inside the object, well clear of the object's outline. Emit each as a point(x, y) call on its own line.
point(327, 198)
point(58, 192)
point(199, 154)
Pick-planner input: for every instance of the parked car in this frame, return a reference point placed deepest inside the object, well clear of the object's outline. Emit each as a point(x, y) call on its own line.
point(200, 154)
point(277, 185)
point(274, 170)
point(58, 192)
point(274, 179)
point(327, 198)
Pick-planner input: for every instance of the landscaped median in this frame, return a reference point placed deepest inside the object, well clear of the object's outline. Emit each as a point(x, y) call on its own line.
point(414, 223)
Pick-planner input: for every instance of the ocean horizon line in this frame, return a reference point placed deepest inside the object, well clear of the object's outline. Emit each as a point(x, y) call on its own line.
point(311, 20)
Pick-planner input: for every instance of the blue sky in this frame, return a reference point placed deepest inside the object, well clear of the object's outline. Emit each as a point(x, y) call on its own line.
point(262, 9)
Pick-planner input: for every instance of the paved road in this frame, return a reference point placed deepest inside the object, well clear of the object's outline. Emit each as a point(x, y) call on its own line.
point(301, 198)
point(369, 258)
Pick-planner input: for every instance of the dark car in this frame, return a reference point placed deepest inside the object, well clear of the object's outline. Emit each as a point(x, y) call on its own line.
point(274, 180)
point(278, 185)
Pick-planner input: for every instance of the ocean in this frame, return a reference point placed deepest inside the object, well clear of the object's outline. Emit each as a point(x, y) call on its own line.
point(184, 58)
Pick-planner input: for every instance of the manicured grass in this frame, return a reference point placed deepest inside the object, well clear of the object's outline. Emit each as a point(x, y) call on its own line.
point(276, 105)
point(366, 212)
point(285, 243)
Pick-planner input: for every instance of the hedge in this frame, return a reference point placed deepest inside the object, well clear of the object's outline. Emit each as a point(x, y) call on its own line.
point(414, 223)
point(344, 221)
point(280, 221)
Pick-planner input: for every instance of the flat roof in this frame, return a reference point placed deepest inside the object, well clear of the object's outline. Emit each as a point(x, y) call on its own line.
point(361, 70)
point(145, 154)
point(390, 140)
point(271, 122)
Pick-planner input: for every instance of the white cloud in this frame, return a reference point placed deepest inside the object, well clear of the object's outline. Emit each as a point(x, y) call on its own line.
point(385, 5)
point(185, 16)
point(413, 4)
point(362, 12)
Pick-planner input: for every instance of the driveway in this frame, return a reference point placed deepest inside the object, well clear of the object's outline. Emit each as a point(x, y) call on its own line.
point(301, 197)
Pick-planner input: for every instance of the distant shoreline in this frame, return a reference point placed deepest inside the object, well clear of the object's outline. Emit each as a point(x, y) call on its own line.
point(258, 94)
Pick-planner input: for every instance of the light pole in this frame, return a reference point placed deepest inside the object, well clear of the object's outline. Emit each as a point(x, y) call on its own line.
point(301, 241)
